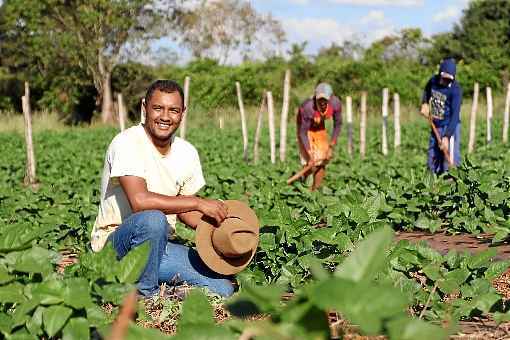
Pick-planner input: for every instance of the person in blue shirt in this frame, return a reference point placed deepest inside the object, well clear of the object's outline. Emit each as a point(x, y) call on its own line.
point(442, 98)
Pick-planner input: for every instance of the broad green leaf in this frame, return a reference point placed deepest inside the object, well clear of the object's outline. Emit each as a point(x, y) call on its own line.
point(453, 280)
point(433, 271)
point(114, 292)
point(196, 311)
point(130, 267)
point(426, 223)
point(136, 332)
point(34, 260)
point(265, 298)
point(21, 334)
point(415, 329)
point(6, 323)
point(482, 259)
point(97, 317)
point(5, 277)
point(363, 303)
point(76, 293)
point(495, 269)
point(368, 258)
point(20, 314)
point(34, 325)
point(501, 317)
point(307, 316)
point(324, 235)
point(54, 318)
point(76, 328)
point(12, 293)
point(485, 301)
point(205, 332)
point(48, 293)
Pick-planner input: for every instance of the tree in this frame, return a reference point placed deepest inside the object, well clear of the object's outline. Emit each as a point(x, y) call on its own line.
point(217, 29)
point(91, 36)
point(483, 34)
point(350, 49)
point(408, 44)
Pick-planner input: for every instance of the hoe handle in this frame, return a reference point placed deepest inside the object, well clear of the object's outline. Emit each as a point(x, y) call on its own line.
point(301, 172)
point(438, 139)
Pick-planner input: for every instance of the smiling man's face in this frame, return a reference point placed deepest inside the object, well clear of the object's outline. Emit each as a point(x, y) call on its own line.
point(163, 115)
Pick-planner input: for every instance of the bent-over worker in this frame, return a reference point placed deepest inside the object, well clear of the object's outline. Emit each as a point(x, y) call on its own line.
point(315, 145)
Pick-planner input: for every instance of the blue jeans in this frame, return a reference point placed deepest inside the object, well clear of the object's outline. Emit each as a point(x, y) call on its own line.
point(167, 261)
point(436, 160)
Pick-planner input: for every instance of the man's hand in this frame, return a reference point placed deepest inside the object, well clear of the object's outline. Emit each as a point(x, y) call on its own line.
point(425, 111)
point(213, 208)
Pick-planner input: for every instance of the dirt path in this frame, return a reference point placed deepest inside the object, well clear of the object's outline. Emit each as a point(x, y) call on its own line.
point(443, 242)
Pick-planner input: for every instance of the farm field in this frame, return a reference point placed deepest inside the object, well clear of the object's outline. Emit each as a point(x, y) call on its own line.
point(335, 249)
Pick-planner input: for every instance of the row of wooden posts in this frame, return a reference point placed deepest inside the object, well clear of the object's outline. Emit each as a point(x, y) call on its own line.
point(267, 102)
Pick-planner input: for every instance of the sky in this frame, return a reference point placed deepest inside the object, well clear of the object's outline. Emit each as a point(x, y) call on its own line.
point(321, 22)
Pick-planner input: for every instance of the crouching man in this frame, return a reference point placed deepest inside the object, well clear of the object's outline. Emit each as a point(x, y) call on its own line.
point(150, 178)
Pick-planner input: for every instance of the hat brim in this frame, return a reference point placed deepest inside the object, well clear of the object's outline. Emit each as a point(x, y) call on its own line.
point(447, 75)
point(203, 240)
point(322, 95)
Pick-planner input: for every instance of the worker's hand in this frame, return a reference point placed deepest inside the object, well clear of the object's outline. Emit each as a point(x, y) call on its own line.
point(329, 154)
point(445, 144)
point(315, 162)
point(213, 208)
point(425, 111)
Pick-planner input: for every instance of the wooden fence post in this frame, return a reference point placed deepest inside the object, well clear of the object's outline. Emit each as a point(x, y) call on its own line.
point(186, 113)
point(506, 114)
point(472, 119)
point(243, 120)
point(385, 121)
point(30, 178)
point(221, 122)
point(489, 114)
point(260, 115)
point(285, 114)
point(270, 110)
point(363, 125)
point(121, 111)
point(348, 107)
point(396, 120)
point(451, 147)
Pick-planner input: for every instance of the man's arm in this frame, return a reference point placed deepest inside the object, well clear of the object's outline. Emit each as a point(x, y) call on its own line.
point(427, 92)
point(140, 199)
point(191, 218)
point(303, 133)
point(337, 123)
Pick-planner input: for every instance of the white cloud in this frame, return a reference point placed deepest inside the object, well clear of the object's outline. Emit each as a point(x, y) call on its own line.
point(395, 3)
point(373, 17)
point(299, 2)
point(320, 32)
point(450, 12)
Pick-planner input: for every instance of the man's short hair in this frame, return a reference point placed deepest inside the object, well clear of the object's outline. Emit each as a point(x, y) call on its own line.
point(165, 85)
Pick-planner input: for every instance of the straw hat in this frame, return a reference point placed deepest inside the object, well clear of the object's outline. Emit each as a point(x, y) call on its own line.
point(229, 248)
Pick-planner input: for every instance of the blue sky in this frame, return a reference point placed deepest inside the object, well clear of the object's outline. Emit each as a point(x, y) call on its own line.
point(321, 22)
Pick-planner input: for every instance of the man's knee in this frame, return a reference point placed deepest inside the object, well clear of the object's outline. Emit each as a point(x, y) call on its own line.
point(155, 224)
point(223, 287)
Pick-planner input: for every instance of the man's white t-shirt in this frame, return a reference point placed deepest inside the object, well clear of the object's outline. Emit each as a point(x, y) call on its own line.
point(131, 153)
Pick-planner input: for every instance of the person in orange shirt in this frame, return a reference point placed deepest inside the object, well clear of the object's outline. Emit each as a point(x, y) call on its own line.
point(315, 146)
